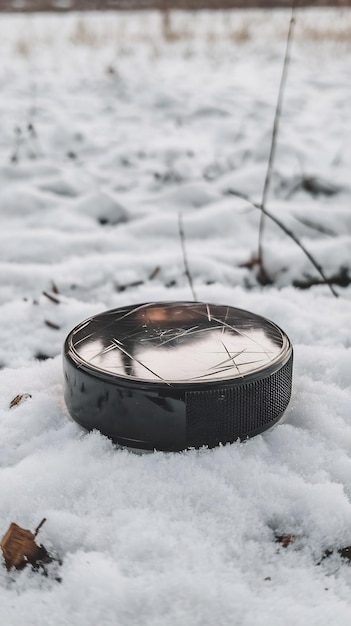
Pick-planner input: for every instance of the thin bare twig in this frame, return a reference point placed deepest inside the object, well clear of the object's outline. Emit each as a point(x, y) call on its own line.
point(185, 259)
point(263, 275)
point(52, 298)
point(39, 526)
point(290, 234)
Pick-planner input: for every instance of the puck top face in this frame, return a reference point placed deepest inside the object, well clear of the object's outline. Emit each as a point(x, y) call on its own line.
point(178, 343)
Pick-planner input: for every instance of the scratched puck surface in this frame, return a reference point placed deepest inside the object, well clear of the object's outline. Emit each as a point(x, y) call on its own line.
point(129, 371)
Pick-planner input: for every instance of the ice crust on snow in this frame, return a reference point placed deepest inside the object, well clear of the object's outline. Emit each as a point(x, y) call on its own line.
point(107, 133)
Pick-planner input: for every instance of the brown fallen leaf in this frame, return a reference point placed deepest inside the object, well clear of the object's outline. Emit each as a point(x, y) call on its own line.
point(285, 540)
point(19, 398)
point(20, 548)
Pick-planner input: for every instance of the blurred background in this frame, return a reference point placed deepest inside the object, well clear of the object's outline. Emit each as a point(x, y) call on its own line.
point(81, 5)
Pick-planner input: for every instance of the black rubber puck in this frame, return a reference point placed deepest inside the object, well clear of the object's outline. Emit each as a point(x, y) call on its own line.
point(174, 375)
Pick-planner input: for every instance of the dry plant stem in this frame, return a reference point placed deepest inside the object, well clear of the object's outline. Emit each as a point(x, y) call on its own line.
point(39, 526)
point(263, 274)
point(185, 259)
point(290, 234)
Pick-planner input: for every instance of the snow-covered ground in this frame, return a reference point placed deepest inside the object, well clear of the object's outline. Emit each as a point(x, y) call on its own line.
point(110, 126)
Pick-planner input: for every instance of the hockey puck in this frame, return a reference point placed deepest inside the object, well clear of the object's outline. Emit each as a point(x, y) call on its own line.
point(175, 375)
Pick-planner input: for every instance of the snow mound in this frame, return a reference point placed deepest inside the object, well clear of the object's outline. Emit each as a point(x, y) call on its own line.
point(110, 129)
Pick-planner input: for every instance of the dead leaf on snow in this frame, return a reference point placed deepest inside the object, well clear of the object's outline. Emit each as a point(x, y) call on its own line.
point(285, 540)
point(20, 548)
point(19, 398)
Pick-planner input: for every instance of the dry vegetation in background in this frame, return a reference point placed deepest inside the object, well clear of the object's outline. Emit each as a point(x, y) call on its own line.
point(237, 27)
point(82, 5)
point(175, 26)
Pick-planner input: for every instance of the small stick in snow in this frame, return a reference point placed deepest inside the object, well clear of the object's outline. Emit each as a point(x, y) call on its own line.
point(185, 259)
point(154, 273)
point(290, 234)
point(39, 526)
point(51, 297)
point(52, 325)
point(263, 276)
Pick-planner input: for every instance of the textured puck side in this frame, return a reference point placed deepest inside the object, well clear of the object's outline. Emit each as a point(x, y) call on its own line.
point(224, 415)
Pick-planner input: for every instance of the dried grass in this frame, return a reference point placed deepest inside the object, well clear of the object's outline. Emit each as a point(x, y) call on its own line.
point(22, 47)
point(84, 35)
point(241, 35)
point(174, 27)
point(320, 35)
point(169, 33)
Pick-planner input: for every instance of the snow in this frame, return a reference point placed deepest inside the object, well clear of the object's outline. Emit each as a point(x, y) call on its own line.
point(108, 131)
